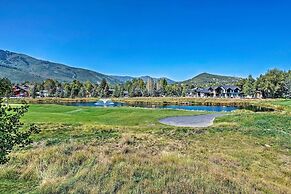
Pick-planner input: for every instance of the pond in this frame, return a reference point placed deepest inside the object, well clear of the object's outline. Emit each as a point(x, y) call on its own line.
point(176, 107)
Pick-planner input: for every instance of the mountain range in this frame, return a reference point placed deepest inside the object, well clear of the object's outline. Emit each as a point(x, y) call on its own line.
point(20, 67)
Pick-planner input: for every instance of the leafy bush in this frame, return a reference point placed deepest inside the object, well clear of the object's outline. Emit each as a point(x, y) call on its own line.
point(12, 131)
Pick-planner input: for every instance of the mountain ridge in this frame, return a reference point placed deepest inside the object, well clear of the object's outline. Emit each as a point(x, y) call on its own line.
point(144, 78)
point(21, 67)
point(208, 79)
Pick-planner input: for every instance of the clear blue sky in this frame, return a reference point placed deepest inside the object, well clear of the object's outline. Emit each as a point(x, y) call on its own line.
point(173, 38)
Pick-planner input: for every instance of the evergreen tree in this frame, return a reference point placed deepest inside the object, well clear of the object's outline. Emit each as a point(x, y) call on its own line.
point(106, 91)
point(5, 87)
point(163, 83)
point(103, 89)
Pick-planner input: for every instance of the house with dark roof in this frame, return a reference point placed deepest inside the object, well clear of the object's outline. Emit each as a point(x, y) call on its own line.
point(216, 92)
point(227, 92)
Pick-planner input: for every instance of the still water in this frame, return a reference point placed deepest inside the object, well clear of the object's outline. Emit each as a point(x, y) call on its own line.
point(177, 107)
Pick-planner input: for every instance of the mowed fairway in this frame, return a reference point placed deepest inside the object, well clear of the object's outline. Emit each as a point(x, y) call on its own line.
point(126, 150)
point(120, 116)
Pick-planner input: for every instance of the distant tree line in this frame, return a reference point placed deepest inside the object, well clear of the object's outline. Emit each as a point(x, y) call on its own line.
point(53, 88)
point(133, 88)
point(273, 84)
point(140, 88)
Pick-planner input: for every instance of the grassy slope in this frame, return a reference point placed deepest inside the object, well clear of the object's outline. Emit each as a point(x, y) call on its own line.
point(86, 149)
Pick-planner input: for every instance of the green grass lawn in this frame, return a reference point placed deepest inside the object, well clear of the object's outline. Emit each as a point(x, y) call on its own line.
point(284, 103)
point(126, 150)
point(114, 116)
